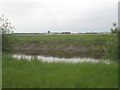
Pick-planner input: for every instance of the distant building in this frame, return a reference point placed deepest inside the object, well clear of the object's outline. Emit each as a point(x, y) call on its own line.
point(27, 33)
point(57, 33)
point(65, 32)
point(51, 33)
point(80, 33)
point(91, 33)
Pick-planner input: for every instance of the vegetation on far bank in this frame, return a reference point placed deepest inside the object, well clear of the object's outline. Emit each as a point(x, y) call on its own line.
point(71, 39)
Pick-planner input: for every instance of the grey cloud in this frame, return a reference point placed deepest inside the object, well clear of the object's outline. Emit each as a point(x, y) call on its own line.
point(60, 15)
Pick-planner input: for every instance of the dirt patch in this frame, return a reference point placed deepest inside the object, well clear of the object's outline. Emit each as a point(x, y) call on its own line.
point(56, 50)
point(76, 49)
point(69, 48)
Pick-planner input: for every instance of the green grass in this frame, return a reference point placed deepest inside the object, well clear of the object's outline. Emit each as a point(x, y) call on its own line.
point(35, 74)
point(88, 40)
point(98, 44)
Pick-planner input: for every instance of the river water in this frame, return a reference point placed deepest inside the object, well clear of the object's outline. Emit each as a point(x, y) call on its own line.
point(44, 58)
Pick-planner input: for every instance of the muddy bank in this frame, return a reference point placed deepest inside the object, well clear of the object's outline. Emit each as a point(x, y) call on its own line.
point(66, 51)
point(69, 48)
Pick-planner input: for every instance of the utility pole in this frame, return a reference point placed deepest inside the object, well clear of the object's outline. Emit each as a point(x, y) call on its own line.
point(119, 14)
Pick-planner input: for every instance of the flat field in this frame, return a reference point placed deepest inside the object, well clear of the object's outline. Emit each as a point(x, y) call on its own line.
point(65, 40)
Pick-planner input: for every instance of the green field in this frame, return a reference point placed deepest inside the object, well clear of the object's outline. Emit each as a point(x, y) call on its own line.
point(89, 40)
point(35, 74)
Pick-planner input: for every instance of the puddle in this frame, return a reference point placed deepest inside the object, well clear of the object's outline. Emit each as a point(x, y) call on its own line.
point(57, 59)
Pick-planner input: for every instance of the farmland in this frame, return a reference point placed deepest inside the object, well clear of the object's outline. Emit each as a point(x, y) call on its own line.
point(63, 40)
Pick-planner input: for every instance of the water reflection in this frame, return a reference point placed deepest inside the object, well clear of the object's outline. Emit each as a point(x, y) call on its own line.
point(58, 53)
point(57, 59)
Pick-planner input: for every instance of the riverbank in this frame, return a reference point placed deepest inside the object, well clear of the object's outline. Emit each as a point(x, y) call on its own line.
point(95, 44)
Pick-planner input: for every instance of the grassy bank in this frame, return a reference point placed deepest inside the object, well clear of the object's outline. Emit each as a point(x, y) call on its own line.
point(35, 74)
point(88, 40)
point(85, 44)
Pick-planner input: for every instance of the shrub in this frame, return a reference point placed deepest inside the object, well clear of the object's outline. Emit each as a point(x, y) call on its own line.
point(6, 30)
point(112, 49)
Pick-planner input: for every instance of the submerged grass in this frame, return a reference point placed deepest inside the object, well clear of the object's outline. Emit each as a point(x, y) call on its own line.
point(36, 74)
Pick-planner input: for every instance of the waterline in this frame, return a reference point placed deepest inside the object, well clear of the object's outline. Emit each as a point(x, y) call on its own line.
point(57, 59)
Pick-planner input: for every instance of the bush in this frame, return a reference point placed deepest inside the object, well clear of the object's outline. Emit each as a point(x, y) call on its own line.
point(6, 30)
point(112, 49)
point(119, 45)
point(6, 43)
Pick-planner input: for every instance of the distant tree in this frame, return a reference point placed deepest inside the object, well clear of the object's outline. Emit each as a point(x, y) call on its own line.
point(115, 29)
point(6, 30)
point(48, 31)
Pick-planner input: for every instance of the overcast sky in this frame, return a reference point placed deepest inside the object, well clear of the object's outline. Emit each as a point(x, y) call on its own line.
point(60, 15)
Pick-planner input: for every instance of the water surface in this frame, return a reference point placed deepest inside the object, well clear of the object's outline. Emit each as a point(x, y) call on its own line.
point(57, 59)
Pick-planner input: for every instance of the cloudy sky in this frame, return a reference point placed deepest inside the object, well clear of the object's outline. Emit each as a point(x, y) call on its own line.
point(60, 15)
